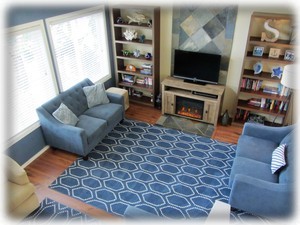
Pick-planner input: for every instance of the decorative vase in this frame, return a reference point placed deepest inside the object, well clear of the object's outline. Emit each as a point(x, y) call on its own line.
point(158, 101)
point(142, 38)
point(225, 118)
point(148, 55)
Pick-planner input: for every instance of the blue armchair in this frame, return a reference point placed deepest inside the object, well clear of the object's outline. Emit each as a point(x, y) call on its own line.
point(94, 123)
point(254, 188)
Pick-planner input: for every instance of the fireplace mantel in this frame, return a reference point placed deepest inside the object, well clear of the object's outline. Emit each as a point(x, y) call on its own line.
point(210, 96)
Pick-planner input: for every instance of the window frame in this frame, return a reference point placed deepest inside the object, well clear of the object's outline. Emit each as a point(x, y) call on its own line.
point(74, 15)
point(20, 29)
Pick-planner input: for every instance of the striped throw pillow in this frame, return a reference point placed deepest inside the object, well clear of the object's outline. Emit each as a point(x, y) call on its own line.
point(278, 158)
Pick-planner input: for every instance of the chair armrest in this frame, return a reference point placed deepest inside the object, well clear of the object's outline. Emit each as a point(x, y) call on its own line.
point(117, 99)
point(261, 197)
point(15, 173)
point(62, 136)
point(266, 132)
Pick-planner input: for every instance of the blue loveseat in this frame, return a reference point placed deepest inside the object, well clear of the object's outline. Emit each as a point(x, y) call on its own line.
point(93, 123)
point(253, 186)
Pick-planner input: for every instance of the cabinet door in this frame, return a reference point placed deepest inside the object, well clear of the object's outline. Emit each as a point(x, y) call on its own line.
point(169, 103)
point(209, 112)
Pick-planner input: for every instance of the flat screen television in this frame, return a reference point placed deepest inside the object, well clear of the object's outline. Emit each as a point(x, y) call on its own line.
point(197, 67)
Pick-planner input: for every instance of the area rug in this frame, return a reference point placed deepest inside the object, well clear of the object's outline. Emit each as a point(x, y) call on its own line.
point(51, 211)
point(186, 125)
point(164, 171)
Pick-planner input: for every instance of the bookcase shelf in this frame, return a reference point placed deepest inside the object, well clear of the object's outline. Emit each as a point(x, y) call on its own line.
point(151, 44)
point(277, 104)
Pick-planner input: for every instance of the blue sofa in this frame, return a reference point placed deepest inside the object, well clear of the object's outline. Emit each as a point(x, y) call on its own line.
point(254, 188)
point(94, 123)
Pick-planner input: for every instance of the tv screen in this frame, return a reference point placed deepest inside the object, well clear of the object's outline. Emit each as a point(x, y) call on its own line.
point(196, 66)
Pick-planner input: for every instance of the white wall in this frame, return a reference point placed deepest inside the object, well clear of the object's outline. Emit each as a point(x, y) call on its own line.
point(166, 17)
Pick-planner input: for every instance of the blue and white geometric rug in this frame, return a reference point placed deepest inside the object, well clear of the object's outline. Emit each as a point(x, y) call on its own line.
point(162, 171)
point(51, 211)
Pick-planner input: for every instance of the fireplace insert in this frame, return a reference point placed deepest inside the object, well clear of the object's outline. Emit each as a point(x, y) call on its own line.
point(189, 107)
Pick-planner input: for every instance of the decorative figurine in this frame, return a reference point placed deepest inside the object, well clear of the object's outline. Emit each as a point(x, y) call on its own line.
point(148, 55)
point(131, 68)
point(257, 67)
point(137, 18)
point(136, 53)
point(120, 20)
point(126, 52)
point(272, 30)
point(130, 34)
point(149, 23)
point(277, 72)
point(142, 38)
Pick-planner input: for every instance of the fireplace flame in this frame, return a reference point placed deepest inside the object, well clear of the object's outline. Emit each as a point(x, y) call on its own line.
point(189, 112)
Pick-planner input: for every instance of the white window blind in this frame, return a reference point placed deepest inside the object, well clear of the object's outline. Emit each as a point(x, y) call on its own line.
point(31, 78)
point(79, 45)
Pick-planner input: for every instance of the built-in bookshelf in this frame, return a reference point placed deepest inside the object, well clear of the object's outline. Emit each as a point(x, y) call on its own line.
point(261, 96)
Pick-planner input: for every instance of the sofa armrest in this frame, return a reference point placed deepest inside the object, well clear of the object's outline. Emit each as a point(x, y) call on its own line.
point(115, 98)
point(62, 136)
point(266, 132)
point(261, 197)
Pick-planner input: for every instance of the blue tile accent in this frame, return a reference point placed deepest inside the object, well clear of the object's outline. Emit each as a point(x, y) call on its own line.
point(205, 25)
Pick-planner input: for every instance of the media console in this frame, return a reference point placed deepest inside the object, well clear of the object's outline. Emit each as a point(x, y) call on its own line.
point(193, 101)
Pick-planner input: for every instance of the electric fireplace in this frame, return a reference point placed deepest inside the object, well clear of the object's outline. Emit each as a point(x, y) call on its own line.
point(189, 107)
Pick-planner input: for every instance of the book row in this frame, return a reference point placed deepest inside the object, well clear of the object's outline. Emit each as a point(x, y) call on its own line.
point(270, 104)
point(257, 85)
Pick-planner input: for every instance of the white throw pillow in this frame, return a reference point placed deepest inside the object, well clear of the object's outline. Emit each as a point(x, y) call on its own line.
point(64, 115)
point(95, 95)
point(278, 158)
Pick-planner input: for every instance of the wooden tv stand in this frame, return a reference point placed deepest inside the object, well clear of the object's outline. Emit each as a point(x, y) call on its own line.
point(210, 95)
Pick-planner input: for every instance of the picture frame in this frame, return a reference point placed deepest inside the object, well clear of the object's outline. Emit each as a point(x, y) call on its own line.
point(258, 51)
point(274, 53)
point(128, 78)
point(289, 55)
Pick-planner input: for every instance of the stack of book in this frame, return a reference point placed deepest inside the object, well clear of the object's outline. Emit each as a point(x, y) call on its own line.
point(285, 91)
point(270, 90)
point(254, 102)
point(242, 115)
point(146, 69)
point(270, 104)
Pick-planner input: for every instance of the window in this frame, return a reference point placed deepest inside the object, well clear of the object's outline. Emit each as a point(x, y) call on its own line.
point(79, 44)
point(31, 76)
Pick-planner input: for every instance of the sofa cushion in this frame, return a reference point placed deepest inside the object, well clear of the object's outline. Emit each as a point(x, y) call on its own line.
point(94, 127)
point(278, 158)
point(95, 95)
point(255, 148)
point(252, 168)
point(110, 112)
point(286, 175)
point(73, 98)
point(64, 115)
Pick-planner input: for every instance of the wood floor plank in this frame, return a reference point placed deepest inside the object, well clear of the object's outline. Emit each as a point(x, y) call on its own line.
point(78, 205)
point(47, 167)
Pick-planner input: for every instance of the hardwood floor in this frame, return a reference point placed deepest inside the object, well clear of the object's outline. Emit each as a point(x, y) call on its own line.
point(47, 167)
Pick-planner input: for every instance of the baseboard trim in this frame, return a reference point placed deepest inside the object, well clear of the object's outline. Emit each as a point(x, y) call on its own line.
point(35, 156)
